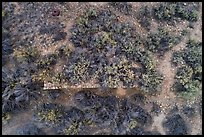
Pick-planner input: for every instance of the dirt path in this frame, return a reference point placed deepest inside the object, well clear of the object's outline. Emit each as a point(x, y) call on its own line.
point(157, 123)
point(166, 68)
point(166, 97)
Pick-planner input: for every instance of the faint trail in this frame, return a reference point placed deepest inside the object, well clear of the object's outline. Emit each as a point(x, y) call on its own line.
point(166, 97)
point(168, 71)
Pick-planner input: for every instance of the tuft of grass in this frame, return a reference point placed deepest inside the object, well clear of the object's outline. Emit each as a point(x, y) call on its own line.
point(6, 117)
point(132, 124)
point(3, 13)
point(49, 113)
point(72, 130)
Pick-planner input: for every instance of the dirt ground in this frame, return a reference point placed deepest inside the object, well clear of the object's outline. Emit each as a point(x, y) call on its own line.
point(25, 30)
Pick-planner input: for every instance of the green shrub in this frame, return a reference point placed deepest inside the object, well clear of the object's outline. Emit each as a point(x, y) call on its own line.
point(177, 58)
point(188, 78)
point(145, 58)
point(192, 89)
point(191, 56)
point(144, 17)
point(172, 11)
point(151, 81)
point(77, 72)
point(118, 72)
point(164, 12)
point(49, 113)
point(184, 74)
point(72, 130)
point(6, 117)
point(27, 54)
point(59, 77)
point(161, 41)
point(193, 16)
point(47, 61)
point(123, 7)
point(3, 13)
point(63, 51)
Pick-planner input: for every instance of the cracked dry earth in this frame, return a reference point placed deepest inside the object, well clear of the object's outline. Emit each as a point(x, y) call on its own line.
point(40, 14)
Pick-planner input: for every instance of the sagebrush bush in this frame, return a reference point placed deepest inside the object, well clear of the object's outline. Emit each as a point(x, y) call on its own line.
point(144, 17)
point(151, 82)
point(119, 72)
point(161, 41)
point(188, 78)
point(123, 7)
point(78, 71)
point(101, 33)
point(47, 61)
point(174, 11)
point(49, 113)
point(28, 54)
